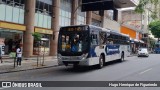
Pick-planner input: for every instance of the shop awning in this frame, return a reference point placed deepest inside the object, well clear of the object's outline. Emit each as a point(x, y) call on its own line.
point(141, 41)
point(136, 40)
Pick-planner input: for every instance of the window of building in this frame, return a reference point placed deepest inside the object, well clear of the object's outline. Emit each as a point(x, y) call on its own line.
point(43, 14)
point(65, 13)
point(81, 18)
point(96, 22)
point(12, 11)
point(110, 14)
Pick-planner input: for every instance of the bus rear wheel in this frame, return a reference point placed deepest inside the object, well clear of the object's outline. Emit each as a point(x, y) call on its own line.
point(101, 62)
point(122, 57)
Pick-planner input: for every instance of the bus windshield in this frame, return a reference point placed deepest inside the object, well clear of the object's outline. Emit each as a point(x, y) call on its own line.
point(73, 42)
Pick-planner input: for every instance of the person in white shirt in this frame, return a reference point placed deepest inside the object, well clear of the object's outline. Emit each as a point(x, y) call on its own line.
point(19, 55)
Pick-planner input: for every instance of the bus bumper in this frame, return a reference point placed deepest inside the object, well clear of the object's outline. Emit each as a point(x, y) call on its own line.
point(84, 62)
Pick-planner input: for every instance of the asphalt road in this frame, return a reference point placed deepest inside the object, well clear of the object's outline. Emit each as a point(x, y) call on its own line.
point(132, 69)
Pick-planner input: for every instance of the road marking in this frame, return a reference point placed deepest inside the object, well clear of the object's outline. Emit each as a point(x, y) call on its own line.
point(145, 71)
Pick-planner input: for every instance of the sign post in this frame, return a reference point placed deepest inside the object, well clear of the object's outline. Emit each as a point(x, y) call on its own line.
point(13, 55)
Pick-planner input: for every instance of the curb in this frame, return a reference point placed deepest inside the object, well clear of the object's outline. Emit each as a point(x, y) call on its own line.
point(28, 69)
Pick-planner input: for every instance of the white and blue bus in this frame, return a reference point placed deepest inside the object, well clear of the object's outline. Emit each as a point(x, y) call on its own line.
point(90, 45)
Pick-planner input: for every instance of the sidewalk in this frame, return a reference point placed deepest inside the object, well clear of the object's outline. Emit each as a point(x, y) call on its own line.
point(27, 64)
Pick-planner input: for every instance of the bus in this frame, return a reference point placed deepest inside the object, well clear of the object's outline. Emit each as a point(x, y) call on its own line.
point(157, 48)
point(88, 45)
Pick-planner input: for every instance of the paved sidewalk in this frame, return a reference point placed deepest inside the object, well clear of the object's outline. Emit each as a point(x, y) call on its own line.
point(27, 64)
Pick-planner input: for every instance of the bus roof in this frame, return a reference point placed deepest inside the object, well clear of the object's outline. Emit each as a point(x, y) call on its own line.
point(73, 26)
point(82, 25)
point(103, 29)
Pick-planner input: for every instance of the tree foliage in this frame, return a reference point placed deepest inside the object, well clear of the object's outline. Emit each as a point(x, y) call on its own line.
point(143, 5)
point(155, 28)
point(37, 36)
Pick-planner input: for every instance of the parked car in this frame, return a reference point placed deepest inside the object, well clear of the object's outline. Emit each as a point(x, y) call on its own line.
point(157, 50)
point(143, 52)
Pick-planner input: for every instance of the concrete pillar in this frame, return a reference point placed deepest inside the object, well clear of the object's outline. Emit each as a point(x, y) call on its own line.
point(74, 12)
point(55, 27)
point(29, 22)
point(119, 17)
point(103, 21)
point(102, 17)
point(89, 17)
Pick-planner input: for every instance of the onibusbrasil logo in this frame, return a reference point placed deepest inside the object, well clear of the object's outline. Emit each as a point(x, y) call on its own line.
point(20, 84)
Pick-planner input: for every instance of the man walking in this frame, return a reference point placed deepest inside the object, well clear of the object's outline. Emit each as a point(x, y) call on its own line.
point(19, 55)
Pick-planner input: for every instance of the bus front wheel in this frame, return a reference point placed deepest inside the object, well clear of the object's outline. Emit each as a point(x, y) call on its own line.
point(122, 57)
point(101, 62)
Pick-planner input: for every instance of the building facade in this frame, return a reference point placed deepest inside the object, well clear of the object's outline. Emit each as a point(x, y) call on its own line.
point(20, 18)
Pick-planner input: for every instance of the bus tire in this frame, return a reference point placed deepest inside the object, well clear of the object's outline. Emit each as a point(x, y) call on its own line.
point(101, 62)
point(122, 57)
point(75, 66)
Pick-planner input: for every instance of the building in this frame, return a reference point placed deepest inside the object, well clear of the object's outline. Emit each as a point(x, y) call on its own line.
point(132, 24)
point(20, 18)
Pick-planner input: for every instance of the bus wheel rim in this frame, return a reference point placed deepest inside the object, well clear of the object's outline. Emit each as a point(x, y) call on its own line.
point(101, 62)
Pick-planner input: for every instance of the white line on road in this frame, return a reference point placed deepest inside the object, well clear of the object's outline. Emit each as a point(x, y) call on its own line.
point(145, 71)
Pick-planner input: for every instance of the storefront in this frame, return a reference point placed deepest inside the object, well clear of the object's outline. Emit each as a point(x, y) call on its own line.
point(44, 44)
point(12, 35)
point(134, 37)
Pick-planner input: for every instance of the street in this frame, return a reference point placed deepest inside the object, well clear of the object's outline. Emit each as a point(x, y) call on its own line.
point(132, 69)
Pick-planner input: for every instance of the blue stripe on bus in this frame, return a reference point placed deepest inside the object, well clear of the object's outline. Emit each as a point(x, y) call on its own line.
point(109, 50)
point(92, 52)
point(112, 49)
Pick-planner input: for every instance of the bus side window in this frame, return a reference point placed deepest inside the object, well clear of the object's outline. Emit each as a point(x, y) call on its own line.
point(94, 40)
point(103, 37)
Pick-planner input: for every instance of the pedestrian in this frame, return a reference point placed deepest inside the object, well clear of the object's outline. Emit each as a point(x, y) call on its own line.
point(19, 55)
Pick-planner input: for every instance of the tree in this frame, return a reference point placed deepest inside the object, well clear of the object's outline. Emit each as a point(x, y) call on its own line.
point(152, 42)
point(37, 39)
point(155, 10)
point(37, 36)
point(155, 28)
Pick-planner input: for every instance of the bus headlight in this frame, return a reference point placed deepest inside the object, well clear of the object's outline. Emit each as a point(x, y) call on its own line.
point(59, 56)
point(84, 56)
